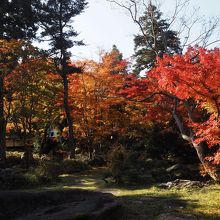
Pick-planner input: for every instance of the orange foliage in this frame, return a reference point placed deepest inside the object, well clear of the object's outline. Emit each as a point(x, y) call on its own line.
point(29, 87)
point(98, 109)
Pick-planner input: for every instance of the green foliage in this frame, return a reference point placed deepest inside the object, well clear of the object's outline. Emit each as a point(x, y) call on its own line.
point(47, 171)
point(72, 166)
point(117, 163)
point(160, 142)
point(15, 179)
point(17, 19)
point(18, 159)
point(145, 159)
point(164, 143)
point(97, 161)
point(127, 167)
point(14, 158)
point(42, 171)
point(55, 17)
point(155, 39)
point(9, 179)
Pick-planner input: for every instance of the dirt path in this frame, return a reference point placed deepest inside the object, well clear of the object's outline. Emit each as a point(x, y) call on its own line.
point(72, 199)
point(89, 180)
point(87, 196)
point(136, 205)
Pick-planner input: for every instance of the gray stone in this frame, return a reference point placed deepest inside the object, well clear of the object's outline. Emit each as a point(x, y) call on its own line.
point(180, 183)
point(175, 216)
point(173, 168)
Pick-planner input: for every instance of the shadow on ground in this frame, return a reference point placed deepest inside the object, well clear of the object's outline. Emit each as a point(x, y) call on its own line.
point(85, 196)
point(143, 202)
point(57, 205)
point(169, 207)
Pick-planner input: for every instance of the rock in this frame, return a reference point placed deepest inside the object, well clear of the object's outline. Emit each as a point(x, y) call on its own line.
point(175, 216)
point(174, 168)
point(179, 183)
point(165, 185)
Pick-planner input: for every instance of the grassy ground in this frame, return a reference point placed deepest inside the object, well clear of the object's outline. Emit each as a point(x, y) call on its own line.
point(147, 202)
point(150, 202)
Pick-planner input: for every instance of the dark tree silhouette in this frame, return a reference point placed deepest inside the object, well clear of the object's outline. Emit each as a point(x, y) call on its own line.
point(55, 19)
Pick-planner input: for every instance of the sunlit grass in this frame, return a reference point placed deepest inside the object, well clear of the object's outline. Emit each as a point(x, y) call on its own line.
point(203, 203)
point(149, 202)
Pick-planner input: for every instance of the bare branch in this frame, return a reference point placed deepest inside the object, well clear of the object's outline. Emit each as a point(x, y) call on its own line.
point(179, 6)
point(131, 7)
point(183, 17)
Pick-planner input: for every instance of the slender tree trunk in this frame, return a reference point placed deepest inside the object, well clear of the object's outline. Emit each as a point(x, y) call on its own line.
point(71, 144)
point(2, 127)
point(198, 147)
point(208, 168)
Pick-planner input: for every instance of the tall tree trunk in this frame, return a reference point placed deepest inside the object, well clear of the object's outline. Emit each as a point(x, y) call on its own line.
point(2, 126)
point(207, 166)
point(190, 139)
point(71, 144)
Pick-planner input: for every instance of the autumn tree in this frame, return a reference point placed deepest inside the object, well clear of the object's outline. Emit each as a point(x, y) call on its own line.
point(101, 115)
point(10, 53)
point(15, 55)
point(185, 87)
point(93, 95)
point(113, 61)
point(32, 92)
point(17, 22)
point(56, 19)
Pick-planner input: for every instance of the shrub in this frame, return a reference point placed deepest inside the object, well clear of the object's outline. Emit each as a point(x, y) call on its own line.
point(117, 159)
point(10, 179)
point(132, 167)
point(14, 158)
point(47, 171)
point(97, 161)
point(71, 166)
point(13, 179)
point(32, 179)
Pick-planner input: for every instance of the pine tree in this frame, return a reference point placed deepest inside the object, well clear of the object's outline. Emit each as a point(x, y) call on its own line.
point(55, 19)
point(18, 20)
point(154, 40)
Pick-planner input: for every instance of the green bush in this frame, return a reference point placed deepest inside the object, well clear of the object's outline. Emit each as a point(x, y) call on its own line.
point(12, 179)
point(117, 160)
point(47, 171)
point(97, 161)
point(32, 180)
point(14, 158)
point(132, 167)
point(71, 166)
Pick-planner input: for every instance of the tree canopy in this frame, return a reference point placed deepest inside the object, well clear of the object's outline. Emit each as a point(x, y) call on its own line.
point(155, 39)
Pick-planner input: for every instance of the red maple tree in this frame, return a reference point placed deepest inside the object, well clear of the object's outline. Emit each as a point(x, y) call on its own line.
point(187, 88)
